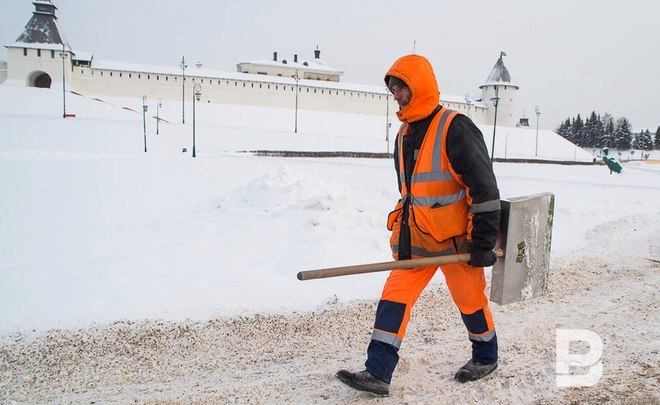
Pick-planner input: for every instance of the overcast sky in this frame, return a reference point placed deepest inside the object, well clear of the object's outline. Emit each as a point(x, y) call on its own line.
point(567, 56)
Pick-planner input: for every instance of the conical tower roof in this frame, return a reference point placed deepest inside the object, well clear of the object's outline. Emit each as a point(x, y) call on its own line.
point(42, 27)
point(499, 76)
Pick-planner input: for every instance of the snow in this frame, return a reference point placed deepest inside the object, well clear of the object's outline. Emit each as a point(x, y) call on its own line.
point(158, 277)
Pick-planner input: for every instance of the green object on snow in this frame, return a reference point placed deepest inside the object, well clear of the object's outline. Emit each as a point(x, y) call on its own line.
point(613, 163)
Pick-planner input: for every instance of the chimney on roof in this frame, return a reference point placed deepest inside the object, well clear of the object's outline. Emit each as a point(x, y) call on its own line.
point(275, 56)
point(295, 58)
point(317, 53)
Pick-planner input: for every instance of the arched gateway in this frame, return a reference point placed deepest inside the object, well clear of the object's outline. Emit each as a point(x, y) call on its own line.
point(40, 79)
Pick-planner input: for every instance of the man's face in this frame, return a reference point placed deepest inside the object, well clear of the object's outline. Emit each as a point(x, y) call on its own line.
point(401, 94)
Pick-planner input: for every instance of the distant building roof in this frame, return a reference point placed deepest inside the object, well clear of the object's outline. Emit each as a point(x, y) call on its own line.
point(309, 65)
point(42, 27)
point(499, 76)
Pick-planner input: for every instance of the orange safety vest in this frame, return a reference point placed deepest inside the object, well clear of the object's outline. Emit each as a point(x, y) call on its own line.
point(437, 197)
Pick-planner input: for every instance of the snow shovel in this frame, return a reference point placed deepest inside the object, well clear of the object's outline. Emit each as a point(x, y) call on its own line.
point(523, 251)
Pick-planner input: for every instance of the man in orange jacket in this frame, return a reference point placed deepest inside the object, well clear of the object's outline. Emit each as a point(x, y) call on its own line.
point(449, 204)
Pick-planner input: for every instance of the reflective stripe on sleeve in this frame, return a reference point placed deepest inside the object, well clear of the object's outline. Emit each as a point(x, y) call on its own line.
point(487, 206)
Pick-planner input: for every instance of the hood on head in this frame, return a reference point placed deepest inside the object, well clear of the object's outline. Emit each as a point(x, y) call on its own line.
point(417, 73)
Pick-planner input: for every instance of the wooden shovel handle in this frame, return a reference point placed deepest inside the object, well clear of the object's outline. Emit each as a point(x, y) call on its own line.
point(383, 266)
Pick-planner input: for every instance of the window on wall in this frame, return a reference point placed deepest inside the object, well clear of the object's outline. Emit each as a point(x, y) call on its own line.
point(110, 74)
point(157, 77)
point(148, 77)
point(130, 75)
point(101, 73)
point(24, 51)
point(121, 75)
point(39, 53)
point(52, 54)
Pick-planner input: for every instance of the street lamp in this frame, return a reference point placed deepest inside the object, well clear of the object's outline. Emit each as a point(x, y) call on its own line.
point(495, 100)
point(297, 90)
point(64, 55)
point(197, 94)
point(538, 112)
point(183, 90)
point(469, 104)
point(144, 120)
point(387, 119)
point(159, 104)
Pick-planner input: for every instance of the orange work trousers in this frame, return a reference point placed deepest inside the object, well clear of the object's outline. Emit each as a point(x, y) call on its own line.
point(466, 285)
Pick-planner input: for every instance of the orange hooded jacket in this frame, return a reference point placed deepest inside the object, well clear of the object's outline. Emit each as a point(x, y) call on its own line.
point(437, 199)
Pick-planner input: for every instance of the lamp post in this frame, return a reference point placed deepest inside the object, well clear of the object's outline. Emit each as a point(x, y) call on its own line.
point(159, 104)
point(387, 120)
point(295, 130)
point(183, 89)
point(538, 112)
point(197, 94)
point(144, 120)
point(469, 104)
point(495, 100)
point(63, 81)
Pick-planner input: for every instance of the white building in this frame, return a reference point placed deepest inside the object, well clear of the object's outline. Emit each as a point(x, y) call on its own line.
point(41, 57)
point(315, 69)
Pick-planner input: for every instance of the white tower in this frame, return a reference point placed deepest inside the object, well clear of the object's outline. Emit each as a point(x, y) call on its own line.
point(499, 90)
point(40, 56)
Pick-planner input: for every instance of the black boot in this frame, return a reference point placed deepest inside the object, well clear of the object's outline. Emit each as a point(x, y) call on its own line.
point(364, 381)
point(473, 370)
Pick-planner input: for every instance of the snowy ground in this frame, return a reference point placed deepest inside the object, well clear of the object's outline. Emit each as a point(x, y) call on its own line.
point(158, 278)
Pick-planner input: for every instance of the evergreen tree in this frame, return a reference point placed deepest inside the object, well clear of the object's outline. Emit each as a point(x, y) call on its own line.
point(564, 129)
point(608, 128)
point(635, 142)
point(657, 138)
point(577, 131)
point(599, 134)
point(645, 140)
point(588, 130)
point(561, 129)
point(623, 134)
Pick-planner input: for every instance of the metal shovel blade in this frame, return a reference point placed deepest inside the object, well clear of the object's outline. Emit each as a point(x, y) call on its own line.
point(525, 237)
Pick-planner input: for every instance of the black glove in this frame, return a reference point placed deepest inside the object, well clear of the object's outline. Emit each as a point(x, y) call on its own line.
point(481, 257)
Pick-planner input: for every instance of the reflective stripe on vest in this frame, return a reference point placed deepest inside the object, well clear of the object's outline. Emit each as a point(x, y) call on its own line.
point(435, 174)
